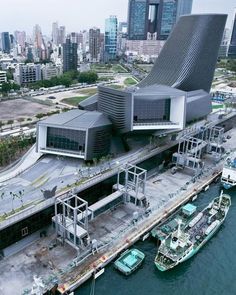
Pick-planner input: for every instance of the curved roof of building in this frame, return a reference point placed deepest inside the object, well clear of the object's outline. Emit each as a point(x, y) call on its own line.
point(188, 58)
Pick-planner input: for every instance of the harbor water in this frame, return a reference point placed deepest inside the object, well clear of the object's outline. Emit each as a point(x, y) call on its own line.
point(212, 271)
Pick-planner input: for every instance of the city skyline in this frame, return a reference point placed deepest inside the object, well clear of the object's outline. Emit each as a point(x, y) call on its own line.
point(75, 19)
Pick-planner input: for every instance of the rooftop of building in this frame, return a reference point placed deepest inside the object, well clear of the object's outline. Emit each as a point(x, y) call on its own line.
point(152, 90)
point(77, 119)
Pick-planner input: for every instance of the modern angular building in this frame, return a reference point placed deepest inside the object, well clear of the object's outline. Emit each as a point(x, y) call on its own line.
point(79, 134)
point(142, 109)
point(175, 92)
point(232, 45)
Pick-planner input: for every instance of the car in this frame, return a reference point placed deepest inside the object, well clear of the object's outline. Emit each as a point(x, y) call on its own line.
point(51, 97)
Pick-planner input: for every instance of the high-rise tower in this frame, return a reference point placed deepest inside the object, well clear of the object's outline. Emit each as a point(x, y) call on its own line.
point(232, 45)
point(154, 19)
point(6, 46)
point(110, 38)
point(70, 58)
point(94, 44)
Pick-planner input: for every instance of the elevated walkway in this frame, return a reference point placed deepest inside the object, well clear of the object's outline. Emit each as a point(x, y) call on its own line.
point(30, 158)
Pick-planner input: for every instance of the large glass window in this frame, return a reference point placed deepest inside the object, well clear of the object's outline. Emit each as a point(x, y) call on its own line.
point(151, 111)
point(66, 139)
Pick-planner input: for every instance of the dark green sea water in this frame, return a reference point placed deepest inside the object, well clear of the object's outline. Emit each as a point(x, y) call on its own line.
point(212, 271)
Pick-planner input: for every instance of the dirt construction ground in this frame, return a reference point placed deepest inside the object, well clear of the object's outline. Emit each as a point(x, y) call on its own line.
point(21, 108)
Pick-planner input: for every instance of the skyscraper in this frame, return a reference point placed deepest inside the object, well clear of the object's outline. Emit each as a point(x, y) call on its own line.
point(55, 33)
point(94, 44)
point(70, 58)
point(137, 19)
point(232, 45)
point(38, 42)
point(184, 7)
point(168, 19)
point(6, 46)
point(110, 38)
point(61, 35)
point(154, 19)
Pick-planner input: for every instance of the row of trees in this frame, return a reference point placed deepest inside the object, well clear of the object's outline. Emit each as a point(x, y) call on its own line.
point(67, 79)
point(11, 148)
point(229, 64)
point(7, 87)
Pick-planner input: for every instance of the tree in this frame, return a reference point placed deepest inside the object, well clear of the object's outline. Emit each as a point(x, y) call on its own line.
point(6, 87)
point(20, 196)
point(20, 120)
point(2, 195)
point(10, 122)
point(39, 116)
point(88, 77)
point(12, 201)
point(95, 161)
point(1, 124)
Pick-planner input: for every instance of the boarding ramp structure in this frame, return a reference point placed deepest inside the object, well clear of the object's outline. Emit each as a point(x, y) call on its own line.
point(191, 149)
point(131, 180)
point(68, 227)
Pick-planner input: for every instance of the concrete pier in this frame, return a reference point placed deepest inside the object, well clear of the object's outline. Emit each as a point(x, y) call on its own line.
point(114, 229)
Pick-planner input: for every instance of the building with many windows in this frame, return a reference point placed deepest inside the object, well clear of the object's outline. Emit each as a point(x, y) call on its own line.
point(232, 45)
point(94, 45)
point(50, 70)
point(137, 18)
point(183, 7)
point(110, 50)
point(3, 77)
point(27, 73)
point(6, 46)
point(70, 57)
point(154, 19)
point(168, 18)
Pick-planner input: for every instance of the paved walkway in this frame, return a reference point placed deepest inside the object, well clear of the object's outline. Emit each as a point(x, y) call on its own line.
point(26, 161)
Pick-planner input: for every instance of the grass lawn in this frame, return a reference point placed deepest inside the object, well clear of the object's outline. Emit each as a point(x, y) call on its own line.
point(217, 106)
point(74, 101)
point(145, 67)
point(130, 82)
point(88, 91)
point(116, 86)
point(101, 68)
point(118, 69)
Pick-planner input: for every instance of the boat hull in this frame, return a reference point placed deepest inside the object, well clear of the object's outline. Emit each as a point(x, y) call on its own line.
point(191, 253)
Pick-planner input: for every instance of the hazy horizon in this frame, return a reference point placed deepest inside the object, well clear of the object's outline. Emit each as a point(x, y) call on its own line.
point(79, 14)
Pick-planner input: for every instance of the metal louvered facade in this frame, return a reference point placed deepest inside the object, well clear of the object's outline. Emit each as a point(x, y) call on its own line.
point(117, 105)
point(188, 59)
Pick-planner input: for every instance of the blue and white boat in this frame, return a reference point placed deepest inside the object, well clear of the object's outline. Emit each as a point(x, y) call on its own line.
point(228, 178)
point(129, 261)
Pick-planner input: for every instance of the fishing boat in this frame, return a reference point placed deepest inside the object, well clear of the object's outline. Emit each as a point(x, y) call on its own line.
point(228, 178)
point(190, 236)
point(129, 261)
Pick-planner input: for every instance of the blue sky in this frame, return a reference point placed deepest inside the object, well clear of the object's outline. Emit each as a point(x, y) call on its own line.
point(82, 14)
